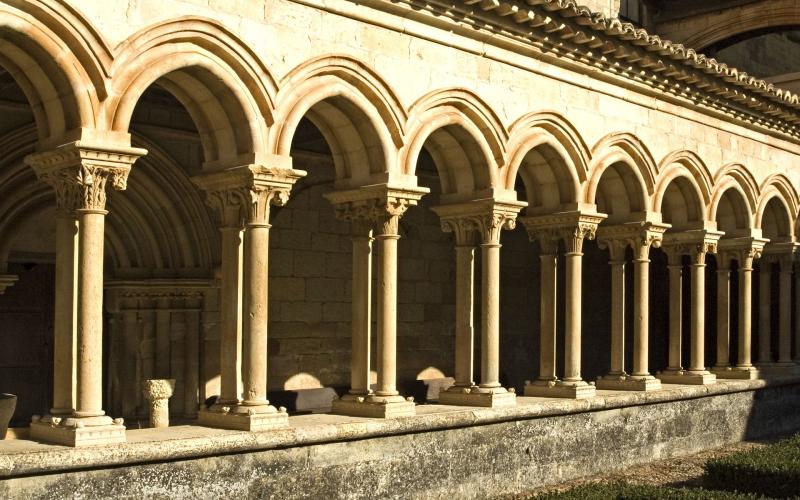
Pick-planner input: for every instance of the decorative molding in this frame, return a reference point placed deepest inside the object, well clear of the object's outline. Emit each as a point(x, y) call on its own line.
point(383, 204)
point(743, 250)
point(485, 217)
point(695, 243)
point(243, 195)
point(639, 235)
point(570, 227)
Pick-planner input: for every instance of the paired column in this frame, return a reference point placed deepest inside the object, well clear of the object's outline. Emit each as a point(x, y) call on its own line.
point(680, 245)
point(785, 311)
point(782, 253)
point(765, 313)
point(571, 228)
point(242, 198)
point(640, 237)
point(80, 175)
point(483, 220)
point(379, 207)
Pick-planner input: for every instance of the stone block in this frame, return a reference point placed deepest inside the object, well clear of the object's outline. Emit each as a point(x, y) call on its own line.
point(309, 264)
point(306, 312)
point(288, 289)
point(325, 289)
point(336, 311)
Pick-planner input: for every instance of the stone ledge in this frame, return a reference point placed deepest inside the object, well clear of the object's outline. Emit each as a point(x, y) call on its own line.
point(27, 458)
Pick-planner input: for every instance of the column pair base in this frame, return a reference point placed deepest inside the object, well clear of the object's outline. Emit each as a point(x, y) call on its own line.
point(560, 389)
point(643, 383)
point(686, 377)
point(244, 418)
point(476, 396)
point(778, 369)
point(373, 406)
point(737, 373)
point(78, 431)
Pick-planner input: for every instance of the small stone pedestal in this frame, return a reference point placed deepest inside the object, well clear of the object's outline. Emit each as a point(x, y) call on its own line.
point(626, 382)
point(78, 431)
point(686, 378)
point(560, 389)
point(374, 406)
point(476, 396)
point(244, 418)
point(732, 372)
point(157, 393)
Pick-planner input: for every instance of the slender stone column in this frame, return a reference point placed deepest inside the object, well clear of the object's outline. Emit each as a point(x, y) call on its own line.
point(192, 353)
point(617, 252)
point(764, 313)
point(641, 307)
point(796, 356)
point(723, 313)
point(745, 313)
point(698, 317)
point(675, 267)
point(80, 174)
point(547, 321)
point(242, 197)
point(465, 334)
point(785, 312)
point(361, 231)
point(490, 316)
point(386, 241)
point(66, 304)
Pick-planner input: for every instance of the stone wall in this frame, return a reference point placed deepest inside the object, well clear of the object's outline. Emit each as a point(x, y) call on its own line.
point(508, 454)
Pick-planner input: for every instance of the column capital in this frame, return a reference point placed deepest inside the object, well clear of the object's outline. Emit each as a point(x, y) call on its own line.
point(243, 195)
point(383, 204)
point(485, 217)
point(79, 172)
point(571, 227)
point(639, 235)
point(743, 250)
point(782, 252)
point(694, 243)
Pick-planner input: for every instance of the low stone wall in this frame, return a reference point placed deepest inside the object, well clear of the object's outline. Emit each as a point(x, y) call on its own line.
point(442, 452)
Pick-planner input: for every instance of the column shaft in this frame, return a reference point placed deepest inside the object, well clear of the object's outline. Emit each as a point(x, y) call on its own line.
point(230, 328)
point(547, 320)
point(641, 323)
point(255, 314)
point(697, 361)
point(675, 315)
point(617, 317)
point(65, 327)
point(572, 320)
point(387, 311)
point(745, 316)
point(362, 299)
point(785, 314)
point(89, 396)
point(764, 313)
point(490, 316)
point(465, 275)
point(723, 317)
point(192, 366)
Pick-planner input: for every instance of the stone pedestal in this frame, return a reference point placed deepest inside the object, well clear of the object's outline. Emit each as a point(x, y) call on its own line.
point(475, 396)
point(560, 389)
point(157, 394)
point(737, 373)
point(686, 378)
point(244, 418)
point(628, 383)
point(84, 431)
point(374, 406)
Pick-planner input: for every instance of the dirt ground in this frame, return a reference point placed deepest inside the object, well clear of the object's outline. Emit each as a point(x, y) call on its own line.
point(682, 471)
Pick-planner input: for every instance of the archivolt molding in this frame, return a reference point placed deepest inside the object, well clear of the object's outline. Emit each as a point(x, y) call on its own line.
point(778, 186)
point(224, 86)
point(741, 177)
point(621, 148)
point(60, 62)
point(466, 111)
point(688, 165)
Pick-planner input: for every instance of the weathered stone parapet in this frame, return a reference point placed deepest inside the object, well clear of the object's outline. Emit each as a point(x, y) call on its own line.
point(157, 393)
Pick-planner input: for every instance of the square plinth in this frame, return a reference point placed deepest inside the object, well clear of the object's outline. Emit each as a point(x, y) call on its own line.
point(78, 436)
point(481, 399)
point(255, 422)
point(687, 378)
point(628, 383)
point(736, 373)
point(560, 390)
point(362, 407)
point(778, 369)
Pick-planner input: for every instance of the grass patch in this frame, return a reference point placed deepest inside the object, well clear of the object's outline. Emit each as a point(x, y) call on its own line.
point(773, 470)
point(625, 491)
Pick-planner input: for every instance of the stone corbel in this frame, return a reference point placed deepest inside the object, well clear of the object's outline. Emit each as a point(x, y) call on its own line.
point(571, 227)
point(243, 195)
point(7, 281)
point(80, 171)
point(486, 218)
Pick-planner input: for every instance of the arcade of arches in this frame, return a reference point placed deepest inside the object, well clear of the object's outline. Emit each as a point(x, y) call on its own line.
point(285, 223)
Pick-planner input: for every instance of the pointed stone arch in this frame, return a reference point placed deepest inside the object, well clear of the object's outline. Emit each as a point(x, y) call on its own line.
point(547, 152)
point(357, 113)
point(224, 86)
point(463, 135)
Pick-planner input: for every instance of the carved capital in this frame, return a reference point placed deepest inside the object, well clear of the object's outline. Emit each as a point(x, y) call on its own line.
point(695, 243)
point(571, 227)
point(640, 236)
point(486, 218)
point(80, 172)
point(244, 195)
point(381, 204)
point(743, 250)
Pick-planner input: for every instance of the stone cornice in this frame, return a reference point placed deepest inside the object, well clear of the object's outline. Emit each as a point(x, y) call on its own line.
point(579, 37)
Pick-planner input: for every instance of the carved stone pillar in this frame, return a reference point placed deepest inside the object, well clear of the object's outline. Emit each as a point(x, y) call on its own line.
point(80, 172)
point(785, 312)
point(675, 267)
point(571, 228)
point(723, 313)
point(640, 236)
point(384, 205)
point(486, 219)
point(242, 198)
point(696, 244)
point(548, 262)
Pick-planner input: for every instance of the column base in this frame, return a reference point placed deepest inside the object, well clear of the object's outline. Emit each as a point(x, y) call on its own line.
point(244, 418)
point(735, 372)
point(475, 396)
point(78, 431)
point(628, 383)
point(374, 406)
point(778, 369)
point(560, 389)
point(685, 377)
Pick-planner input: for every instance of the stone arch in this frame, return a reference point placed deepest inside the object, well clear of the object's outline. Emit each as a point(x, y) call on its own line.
point(355, 111)
point(222, 84)
point(59, 61)
point(734, 199)
point(683, 189)
point(776, 214)
point(628, 173)
point(463, 135)
point(550, 157)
